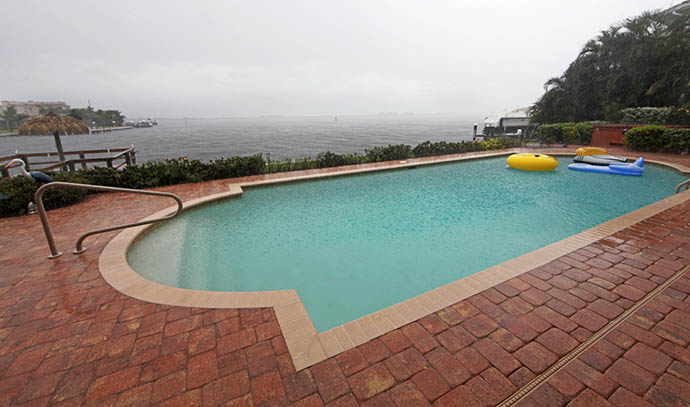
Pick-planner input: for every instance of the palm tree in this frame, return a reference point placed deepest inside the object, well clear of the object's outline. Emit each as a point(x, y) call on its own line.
point(12, 118)
point(645, 61)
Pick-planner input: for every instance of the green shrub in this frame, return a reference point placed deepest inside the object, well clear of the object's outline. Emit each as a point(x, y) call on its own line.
point(647, 138)
point(658, 138)
point(570, 134)
point(304, 163)
point(428, 148)
point(678, 140)
point(493, 144)
point(566, 133)
point(675, 115)
point(234, 167)
point(550, 133)
point(646, 115)
point(329, 159)
point(21, 191)
point(388, 153)
point(181, 170)
point(680, 115)
point(584, 131)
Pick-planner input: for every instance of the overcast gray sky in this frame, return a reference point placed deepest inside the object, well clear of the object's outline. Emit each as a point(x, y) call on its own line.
point(254, 57)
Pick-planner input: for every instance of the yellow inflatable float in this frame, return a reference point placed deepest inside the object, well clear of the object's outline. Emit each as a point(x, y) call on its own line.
point(591, 151)
point(532, 162)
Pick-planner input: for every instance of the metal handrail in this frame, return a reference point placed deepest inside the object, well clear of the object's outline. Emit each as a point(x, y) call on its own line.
point(38, 198)
point(680, 186)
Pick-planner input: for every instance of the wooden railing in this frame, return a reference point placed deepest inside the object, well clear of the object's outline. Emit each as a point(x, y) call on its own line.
point(126, 155)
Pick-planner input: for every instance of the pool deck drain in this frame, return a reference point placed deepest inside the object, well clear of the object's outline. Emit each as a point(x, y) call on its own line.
point(68, 338)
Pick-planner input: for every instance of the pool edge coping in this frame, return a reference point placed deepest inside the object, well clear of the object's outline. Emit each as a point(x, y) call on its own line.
point(305, 345)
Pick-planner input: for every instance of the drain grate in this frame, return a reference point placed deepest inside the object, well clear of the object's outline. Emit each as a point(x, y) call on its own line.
point(525, 390)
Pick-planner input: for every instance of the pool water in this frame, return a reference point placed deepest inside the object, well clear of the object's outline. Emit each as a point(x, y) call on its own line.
point(354, 245)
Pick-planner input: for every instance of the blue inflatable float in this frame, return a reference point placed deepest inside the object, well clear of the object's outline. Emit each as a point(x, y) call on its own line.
point(634, 169)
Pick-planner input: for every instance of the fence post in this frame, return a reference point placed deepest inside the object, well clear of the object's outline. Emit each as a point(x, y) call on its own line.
point(61, 153)
point(109, 162)
point(83, 164)
point(70, 163)
point(128, 160)
point(134, 157)
point(4, 171)
point(26, 161)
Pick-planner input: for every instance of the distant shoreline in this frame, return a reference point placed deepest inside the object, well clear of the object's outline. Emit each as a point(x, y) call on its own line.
point(93, 130)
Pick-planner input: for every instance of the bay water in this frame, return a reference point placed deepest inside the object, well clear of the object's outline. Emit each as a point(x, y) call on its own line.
point(281, 137)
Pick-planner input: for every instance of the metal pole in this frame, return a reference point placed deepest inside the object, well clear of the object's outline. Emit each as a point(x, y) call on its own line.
point(680, 186)
point(38, 198)
point(26, 161)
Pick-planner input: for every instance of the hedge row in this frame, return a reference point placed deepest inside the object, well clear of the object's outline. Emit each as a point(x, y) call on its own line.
point(658, 139)
point(677, 115)
point(566, 133)
point(179, 171)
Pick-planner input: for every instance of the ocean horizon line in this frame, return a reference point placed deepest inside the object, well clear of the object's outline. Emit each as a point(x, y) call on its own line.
point(306, 116)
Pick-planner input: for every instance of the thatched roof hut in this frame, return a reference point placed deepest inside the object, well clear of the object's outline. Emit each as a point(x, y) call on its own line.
point(55, 125)
point(51, 124)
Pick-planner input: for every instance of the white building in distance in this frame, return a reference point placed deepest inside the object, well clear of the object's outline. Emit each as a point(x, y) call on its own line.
point(32, 108)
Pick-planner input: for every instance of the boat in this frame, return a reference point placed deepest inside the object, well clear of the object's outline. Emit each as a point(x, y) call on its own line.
point(633, 169)
point(532, 162)
point(143, 123)
point(599, 159)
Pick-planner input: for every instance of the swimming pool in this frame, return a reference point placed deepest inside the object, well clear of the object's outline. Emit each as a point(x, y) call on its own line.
point(354, 245)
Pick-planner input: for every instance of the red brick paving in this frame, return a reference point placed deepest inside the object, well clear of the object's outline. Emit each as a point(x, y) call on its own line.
point(67, 338)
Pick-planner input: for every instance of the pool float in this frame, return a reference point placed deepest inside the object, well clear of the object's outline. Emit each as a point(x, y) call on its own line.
point(591, 151)
point(599, 159)
point(532, 162)
point(633, 169)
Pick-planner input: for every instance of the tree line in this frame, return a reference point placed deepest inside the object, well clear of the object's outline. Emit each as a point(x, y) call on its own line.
point(90, 116)
point(643, 61)
point(11, 119)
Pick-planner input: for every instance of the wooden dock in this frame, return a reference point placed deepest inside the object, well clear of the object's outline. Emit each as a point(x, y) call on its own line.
point(108, 129)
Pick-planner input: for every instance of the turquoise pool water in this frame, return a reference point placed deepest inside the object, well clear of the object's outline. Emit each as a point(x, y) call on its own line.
point(354, 245)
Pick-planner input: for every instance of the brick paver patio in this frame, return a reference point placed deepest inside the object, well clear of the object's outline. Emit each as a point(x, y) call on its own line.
point(68, 338)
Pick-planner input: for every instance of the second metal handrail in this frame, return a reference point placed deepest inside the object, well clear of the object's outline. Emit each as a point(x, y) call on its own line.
point(680, 186)
point(38, 197)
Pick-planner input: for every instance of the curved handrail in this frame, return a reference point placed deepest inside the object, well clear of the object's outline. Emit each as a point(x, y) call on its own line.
point(680, 186)
point(38, 198)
